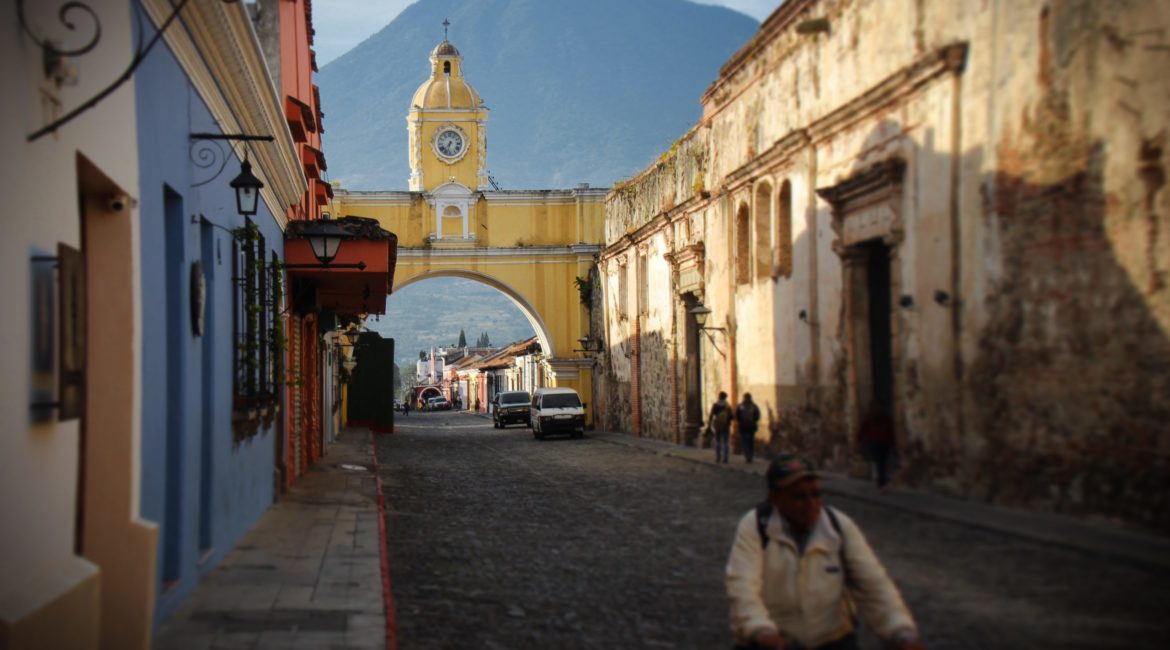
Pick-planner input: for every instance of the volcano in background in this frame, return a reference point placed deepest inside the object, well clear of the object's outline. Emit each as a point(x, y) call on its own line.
point(579, 91)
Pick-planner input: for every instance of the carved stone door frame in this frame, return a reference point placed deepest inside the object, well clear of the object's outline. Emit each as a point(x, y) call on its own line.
point(867, 208)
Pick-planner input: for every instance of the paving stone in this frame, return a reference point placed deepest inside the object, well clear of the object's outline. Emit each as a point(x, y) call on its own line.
point(602, 545)
point(295, 582)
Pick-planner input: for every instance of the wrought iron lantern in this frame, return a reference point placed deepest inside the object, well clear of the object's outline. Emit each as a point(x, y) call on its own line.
point(247, 188)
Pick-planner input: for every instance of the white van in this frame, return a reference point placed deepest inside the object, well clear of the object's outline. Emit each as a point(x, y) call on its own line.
point(557, 410)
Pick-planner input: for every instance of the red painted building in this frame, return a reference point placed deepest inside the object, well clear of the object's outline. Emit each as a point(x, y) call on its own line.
point(319, 299)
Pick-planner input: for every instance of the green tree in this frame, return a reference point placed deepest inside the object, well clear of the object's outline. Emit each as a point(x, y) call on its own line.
point(483, 341)
point(462, 338)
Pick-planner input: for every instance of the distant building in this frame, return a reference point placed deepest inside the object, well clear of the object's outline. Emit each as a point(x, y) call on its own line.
point(430, 367)
point(513, 367)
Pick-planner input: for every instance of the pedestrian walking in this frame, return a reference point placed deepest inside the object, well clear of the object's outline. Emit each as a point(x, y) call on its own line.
point(747, 418)
point(799, 573)
point(876, 435)
point(719, 421)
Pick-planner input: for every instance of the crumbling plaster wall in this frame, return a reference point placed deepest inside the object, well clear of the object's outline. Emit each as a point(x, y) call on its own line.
point(796, 83)
point(1031, 359)
point(614, 371)
point(658, 340)
point(1070, 364)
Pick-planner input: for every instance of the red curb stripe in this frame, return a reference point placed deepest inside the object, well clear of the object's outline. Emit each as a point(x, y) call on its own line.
point(384, 552)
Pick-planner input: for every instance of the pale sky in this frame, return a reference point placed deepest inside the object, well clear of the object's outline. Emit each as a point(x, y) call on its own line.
point(342, 24)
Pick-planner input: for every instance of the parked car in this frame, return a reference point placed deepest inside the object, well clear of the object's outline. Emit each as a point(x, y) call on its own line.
point(557, 410)
point(510, 407)
point(438, 404)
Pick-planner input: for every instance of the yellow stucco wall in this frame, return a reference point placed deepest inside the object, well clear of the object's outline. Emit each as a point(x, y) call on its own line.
point(530, 245)
point(435, 171)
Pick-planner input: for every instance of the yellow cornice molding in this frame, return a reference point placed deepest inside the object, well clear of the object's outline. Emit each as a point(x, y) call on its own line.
point(218, 49)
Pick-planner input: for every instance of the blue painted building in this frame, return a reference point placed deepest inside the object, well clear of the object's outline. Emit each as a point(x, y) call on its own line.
point(211, 303)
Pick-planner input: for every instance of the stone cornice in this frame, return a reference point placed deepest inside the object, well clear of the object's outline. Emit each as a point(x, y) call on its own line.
point(781, 19)
point(218, 49)
point(694, 253)
point(644, 232)
point(576, 250)
point(891, 90)
point(545, 197)
point(690, 206)
point(878, 179)
point(360, 197)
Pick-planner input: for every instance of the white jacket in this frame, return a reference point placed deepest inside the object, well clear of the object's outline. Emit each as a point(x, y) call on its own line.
point(803, 596)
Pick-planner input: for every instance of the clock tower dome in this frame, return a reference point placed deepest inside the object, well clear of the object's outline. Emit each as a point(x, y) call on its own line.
point(448, 142)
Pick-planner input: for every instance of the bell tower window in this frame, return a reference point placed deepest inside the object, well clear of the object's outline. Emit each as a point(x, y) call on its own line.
point(446, 67)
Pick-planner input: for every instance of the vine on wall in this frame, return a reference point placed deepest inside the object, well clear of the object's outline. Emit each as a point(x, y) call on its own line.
point(585, 290)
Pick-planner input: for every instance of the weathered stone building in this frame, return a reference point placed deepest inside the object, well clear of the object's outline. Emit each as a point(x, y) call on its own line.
point(954, 210)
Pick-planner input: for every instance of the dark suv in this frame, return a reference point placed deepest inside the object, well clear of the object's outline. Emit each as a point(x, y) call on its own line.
point(511, 407)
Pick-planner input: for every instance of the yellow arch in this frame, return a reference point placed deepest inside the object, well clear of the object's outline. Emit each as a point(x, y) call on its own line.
point(531, 245)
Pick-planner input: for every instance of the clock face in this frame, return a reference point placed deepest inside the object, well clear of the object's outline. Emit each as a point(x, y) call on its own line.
point(449, 143)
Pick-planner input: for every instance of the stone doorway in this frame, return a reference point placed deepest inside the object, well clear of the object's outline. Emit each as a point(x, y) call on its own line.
point(867, 218)
point(871, 312)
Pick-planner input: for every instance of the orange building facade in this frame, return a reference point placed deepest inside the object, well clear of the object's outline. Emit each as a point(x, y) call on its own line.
point(320, 299)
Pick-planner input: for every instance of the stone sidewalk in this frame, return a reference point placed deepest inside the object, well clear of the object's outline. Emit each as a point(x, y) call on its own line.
point(1093, 537)
point(307, 576)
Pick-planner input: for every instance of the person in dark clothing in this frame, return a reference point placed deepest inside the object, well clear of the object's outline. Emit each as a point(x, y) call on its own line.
point(719, 421)
point(876, 436)
point(747, 417)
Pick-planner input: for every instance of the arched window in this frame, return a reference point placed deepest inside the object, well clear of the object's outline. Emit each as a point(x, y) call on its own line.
point(452, 223)
point(763, 229)
point(784, 231)
point(446, 67)
point(743, 251)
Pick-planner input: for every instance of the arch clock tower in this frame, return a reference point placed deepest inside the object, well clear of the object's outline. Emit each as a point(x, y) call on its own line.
point(448, 142)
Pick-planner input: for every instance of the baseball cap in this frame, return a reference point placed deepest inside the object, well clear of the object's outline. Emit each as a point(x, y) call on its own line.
point(789, 468)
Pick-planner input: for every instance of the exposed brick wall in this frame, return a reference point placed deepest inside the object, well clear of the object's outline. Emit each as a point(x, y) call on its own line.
point(636, 378)
point(1071, 387)
point(654, 363)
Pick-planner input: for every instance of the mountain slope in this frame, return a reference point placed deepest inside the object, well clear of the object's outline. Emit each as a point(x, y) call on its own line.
point(579, 90)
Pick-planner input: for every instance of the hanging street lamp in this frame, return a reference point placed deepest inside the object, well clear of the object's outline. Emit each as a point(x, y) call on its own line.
point(325, 238)
point(247, 188)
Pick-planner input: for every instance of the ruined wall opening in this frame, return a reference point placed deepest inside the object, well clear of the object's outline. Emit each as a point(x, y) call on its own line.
point(877, 287)
point(783, 247)
point(743, 251)
point(763, 252)
point(692, 372)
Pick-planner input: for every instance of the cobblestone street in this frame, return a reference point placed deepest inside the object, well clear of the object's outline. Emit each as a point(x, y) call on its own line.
point(500, 541)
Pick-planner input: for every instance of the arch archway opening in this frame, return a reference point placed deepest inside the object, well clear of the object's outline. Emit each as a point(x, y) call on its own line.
point(507, 331)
